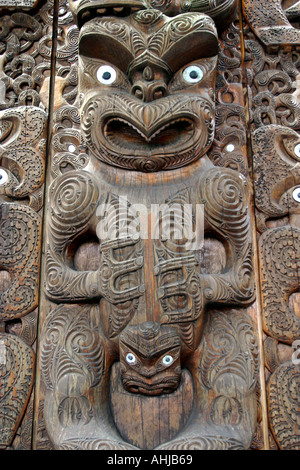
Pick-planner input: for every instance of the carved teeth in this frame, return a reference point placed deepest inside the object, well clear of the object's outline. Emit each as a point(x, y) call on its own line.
point(130, 125)
point(151, 136)
point(169, 125)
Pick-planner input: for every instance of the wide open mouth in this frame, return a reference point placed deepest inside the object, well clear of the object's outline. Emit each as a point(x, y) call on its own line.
point(124, 135)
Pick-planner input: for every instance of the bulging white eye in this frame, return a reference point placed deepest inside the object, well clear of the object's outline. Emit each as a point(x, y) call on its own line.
point(3, 176)
point(106, 74)
point(296, 194)
point(130, 358)
point(192, 74)
point(167, 360)
point(297, 150)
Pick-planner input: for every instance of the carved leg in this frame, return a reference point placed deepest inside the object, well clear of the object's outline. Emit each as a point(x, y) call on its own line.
point(224, 415)
point(75, 366)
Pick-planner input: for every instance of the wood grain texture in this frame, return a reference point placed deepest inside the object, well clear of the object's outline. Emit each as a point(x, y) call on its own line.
point(124, 317)
point(23, 133)
point(274, 108)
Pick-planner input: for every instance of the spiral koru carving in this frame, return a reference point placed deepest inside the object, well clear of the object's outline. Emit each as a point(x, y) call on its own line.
point(20, 236)
point(283, 398)
point(16, 372)
point(224, 194)
point(280, 260)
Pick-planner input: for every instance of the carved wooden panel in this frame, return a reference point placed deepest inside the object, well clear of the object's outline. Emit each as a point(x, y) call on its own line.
point(125, 322)
point(274, 111)
point(23, 134)
point(269, 19)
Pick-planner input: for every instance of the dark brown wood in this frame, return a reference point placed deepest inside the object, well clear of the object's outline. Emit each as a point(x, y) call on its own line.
point(147, 120)
point(274, 112)
point(23, 132)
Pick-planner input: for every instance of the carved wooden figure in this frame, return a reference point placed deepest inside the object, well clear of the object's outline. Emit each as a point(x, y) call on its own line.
point(147, 107)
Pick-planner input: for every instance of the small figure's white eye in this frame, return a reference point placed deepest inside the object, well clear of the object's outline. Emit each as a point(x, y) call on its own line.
point(168, 360)
point(230, 148)
point(3, 177)
point(192, 74)
point(130, 358)
point(106, 74)
point(72, 148)
point(296, 194)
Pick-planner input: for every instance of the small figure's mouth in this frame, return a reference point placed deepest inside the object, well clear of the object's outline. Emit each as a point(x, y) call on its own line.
point(122, 134)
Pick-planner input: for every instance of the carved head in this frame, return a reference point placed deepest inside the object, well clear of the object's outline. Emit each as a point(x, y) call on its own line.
point(147, 87)
point(150, 359)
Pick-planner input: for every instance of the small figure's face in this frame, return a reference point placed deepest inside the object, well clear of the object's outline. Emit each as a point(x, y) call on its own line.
point(150, 359)
point(147, 88)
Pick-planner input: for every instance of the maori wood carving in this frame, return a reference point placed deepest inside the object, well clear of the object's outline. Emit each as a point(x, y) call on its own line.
point(270, 21)
point(221, 11)
point(273, 91)
point(132, 334)
point(16, 382)
point(23, 132)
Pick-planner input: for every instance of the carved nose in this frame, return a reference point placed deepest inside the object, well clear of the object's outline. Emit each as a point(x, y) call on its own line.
point(147, 92)
point(148, 372)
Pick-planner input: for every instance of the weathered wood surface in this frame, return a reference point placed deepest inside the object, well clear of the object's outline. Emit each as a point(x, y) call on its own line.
point(23, 131)
point(273, 89)
point(140, 129)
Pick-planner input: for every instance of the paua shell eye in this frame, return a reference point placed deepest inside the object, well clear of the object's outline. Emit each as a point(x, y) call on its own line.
point(106, 75)
point(167, 360)
point(297, 150)
point(130, 358)
point(192, 74)
point(3, 177)
point(296, 194)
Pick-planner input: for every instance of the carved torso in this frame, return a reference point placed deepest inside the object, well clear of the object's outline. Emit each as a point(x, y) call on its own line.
point(149, 196)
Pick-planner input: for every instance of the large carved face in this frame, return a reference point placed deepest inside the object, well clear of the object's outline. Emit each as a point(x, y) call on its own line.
point(147, 89)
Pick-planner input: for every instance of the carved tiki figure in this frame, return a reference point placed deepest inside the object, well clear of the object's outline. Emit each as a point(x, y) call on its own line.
point(129, 333)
